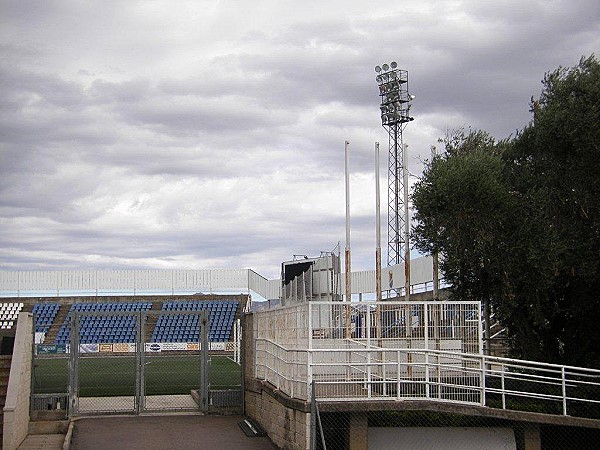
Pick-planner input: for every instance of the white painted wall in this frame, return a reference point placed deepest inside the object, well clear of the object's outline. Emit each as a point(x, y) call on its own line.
point(427, 438)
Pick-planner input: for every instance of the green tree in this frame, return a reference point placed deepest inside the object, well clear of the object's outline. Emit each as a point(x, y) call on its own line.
point(517, 223)
point(554, 166)
point(460, 203)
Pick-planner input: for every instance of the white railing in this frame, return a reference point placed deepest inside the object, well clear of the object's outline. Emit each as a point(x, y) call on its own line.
point(134, 282)
point(24, 283)
point(373, 373)
point(436, 325)
point(286, 369)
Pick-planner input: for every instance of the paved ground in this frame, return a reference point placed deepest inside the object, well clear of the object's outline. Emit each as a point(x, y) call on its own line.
point(164, 432)
point(43, 441)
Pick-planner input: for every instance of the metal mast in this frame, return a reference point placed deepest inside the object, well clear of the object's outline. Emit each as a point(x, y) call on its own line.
point(395, 114)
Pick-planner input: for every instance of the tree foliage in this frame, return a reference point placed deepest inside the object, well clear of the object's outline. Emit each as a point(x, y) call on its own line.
point(518, 222)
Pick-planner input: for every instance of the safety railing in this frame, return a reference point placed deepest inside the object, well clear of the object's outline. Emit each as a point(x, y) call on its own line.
point(372, 373)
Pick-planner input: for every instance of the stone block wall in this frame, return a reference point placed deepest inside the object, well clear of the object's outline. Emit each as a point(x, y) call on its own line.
point(16, 408)
point(288, 428)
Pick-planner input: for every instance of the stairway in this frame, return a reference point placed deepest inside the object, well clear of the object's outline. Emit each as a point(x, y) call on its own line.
point(151, 320)
point(58, 321)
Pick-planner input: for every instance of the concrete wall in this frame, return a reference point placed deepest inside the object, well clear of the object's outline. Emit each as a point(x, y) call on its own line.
point(288, 428)
point(248, 347)
point(16, 408)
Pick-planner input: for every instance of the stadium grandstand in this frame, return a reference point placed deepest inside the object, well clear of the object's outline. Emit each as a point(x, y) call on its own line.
point(52, 319)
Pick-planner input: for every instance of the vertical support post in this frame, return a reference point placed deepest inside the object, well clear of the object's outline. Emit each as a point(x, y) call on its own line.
point(564, 390)
point(502, 385)
point(394, 255)
point(204, 325)
point(378, 247)
point(486, 329)
point(426, 324)
point(398, 377)
point(315, 420)
point(303, 286)
point(436, 270)
point(436, 276)
point(309, 353)
point(140, 362)
point(406, 224)
point(313, 417)
point(483, 363)
point(369, 368)
point(310, 283)
point(73, 366)
point(427, 392)
point(347, 252)
point(479, 321)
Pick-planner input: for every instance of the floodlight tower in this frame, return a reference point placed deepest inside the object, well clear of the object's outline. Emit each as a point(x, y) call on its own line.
point(395, 114)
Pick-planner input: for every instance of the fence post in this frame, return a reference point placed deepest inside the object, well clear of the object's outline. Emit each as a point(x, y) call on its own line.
point(483, 366)
point(427, 393)
point(73, 363)
point(503, 388)
point(369, 368)
point(309, 354)
point(313, 417)
point(139, 359)
point(398, 375)
point(564, 390)
point(204, 360)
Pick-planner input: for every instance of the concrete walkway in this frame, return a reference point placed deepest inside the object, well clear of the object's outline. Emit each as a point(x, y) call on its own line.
point(43, 441)
point(180, 432)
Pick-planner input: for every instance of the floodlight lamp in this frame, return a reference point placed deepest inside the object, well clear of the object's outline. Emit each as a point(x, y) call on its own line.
point(394, 64)
point(386, 67)
point(379, 78)
point(393, 75)
point(377, 69)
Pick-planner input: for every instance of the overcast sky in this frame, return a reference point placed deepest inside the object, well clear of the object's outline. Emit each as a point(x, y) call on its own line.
point(210, 134)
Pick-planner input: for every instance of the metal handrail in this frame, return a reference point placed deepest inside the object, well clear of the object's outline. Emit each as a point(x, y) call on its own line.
point(516, 378)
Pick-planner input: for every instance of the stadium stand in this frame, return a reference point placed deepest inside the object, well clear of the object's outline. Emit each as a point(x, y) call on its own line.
point(44, 315)
point(103, 329)
point(8, 314)
point(52, 319)
point(184, 328)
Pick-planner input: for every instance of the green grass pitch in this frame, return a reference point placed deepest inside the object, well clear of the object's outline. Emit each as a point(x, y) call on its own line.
point(104, 376)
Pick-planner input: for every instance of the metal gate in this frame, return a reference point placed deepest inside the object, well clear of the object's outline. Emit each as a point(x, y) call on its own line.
point(151, 361)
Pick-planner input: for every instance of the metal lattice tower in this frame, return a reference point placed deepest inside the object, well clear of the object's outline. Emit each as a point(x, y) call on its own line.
point(395, 114)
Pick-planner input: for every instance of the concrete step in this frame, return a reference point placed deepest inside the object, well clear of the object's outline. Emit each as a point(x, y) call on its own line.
point(49, 415)
point(48, 427)
point(5, 361)
point(43, 441)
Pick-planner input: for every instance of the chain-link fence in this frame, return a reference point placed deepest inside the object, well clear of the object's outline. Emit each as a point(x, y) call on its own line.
point(442, 426)
point(133, 360)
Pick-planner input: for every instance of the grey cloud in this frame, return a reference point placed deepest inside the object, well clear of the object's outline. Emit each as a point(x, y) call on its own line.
point(126, 141)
